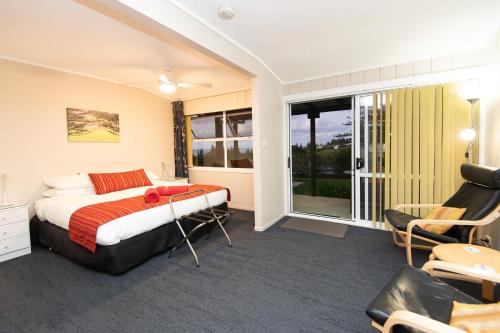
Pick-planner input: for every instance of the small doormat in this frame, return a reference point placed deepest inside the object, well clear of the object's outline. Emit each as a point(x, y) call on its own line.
point(315, 226)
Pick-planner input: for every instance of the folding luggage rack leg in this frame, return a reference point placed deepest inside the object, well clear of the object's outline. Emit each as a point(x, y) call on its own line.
point(204, 217)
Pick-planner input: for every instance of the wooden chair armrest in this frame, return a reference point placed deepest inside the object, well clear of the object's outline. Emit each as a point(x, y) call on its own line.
point(462, 269)
point(413, 223)
point(401, 206)
point(418, 322)
point(454, 222)
point(491, 217)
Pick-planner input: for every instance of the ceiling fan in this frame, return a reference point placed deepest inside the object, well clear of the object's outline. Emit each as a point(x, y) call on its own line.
point(169, 86)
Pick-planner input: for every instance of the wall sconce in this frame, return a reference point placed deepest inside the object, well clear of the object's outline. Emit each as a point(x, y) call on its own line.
point(469, 91)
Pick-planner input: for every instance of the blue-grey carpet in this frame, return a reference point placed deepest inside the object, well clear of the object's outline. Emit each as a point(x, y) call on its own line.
point(274, 281)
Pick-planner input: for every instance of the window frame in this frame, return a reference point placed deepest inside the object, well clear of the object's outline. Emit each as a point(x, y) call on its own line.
point(224, 139)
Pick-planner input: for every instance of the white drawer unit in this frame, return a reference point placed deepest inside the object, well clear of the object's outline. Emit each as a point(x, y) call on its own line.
point(13, 214)
point(14, 244)
point(14, 232)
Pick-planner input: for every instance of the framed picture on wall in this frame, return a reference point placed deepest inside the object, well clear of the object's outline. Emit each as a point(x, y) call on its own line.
point(93, 126)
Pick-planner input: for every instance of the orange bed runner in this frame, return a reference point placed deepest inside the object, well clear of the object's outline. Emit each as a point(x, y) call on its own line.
point(85, 221)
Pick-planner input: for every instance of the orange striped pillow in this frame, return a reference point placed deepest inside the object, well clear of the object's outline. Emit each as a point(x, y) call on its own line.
point(118, 181)
point(442, 213)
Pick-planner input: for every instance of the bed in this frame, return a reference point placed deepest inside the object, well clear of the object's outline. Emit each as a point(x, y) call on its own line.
point(122, 243)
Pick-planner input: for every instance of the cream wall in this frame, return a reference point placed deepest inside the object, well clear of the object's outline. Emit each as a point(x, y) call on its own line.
point(491, 90)
point(239, 182)
point(33, 131)
point(240, 185)
point(269, 159)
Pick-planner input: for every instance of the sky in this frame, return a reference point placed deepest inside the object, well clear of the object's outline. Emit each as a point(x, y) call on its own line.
point(327, 126)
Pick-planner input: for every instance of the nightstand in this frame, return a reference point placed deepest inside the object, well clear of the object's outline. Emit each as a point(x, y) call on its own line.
point(179, 180)
point(14, 232)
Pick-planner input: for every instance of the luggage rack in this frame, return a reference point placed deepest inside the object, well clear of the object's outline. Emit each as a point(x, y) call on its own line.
point(204, 217)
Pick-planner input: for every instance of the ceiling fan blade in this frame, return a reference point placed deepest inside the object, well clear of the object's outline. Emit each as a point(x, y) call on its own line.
point(193, 84)
point(139, 83)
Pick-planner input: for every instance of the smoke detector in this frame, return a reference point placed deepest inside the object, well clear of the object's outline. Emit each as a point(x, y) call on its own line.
point(225, 12)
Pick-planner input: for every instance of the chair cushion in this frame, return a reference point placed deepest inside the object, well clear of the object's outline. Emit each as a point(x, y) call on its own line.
point(483, 318)
point(442, 213)
point(411, 289)
point(400, 221)
point(479, 201)
point(482, 175)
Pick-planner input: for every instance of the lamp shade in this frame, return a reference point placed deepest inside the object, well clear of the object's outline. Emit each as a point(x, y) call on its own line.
point(469, 90)
point(468, 134)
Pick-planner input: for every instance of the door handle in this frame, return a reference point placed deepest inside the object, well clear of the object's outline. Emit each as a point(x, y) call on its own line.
point(360, 163)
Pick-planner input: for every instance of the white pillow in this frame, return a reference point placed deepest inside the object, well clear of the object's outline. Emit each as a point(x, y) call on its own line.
point(53, 192)
point(68, 182)
point(151, 175)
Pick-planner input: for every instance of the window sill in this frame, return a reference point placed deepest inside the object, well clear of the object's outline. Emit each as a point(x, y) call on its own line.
point(215, 169)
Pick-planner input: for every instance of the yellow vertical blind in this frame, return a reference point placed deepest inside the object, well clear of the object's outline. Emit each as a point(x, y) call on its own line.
point(423, 148)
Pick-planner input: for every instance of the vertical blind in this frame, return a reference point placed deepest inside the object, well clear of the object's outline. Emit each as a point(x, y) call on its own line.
point(423, 151)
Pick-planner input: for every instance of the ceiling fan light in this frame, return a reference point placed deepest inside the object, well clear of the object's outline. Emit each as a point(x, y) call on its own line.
point(168, 87)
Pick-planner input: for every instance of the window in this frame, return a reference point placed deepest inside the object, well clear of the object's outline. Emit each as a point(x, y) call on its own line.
point(221, 139)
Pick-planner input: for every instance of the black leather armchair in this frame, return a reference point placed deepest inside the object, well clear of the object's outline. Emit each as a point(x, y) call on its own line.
point(412, 301)
point(480, 195)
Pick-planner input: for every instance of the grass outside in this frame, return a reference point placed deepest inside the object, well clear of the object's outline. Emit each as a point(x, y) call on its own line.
point(327, 187)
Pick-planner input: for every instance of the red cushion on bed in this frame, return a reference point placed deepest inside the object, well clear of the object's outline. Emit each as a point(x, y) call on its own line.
point(171, 190)
point(151, 195)
point(118, 181)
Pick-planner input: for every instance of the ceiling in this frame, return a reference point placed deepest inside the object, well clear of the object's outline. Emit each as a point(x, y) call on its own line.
point(299, 39)
point(66, 35)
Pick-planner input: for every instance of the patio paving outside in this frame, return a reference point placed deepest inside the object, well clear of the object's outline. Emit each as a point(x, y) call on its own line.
point(322, 206)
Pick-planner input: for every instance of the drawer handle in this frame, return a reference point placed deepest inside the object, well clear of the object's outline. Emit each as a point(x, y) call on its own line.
point(4, 233)
point(4, 218)
point(5, 247)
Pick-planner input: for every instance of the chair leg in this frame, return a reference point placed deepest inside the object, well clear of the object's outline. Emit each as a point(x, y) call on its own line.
point(408, 251)
point(471, 234)
point(488, 290)
point(395, 236)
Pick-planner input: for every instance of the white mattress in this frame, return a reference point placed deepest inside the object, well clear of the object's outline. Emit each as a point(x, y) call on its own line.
point(58, 211)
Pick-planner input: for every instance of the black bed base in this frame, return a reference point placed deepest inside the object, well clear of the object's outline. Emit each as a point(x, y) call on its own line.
point(119, 258)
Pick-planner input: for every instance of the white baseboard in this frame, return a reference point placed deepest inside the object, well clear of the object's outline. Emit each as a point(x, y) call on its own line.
point(270, 223)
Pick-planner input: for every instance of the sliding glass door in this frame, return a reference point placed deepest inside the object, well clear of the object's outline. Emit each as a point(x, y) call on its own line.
point(321, 157)
point(369, 158)
point(337, 150)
